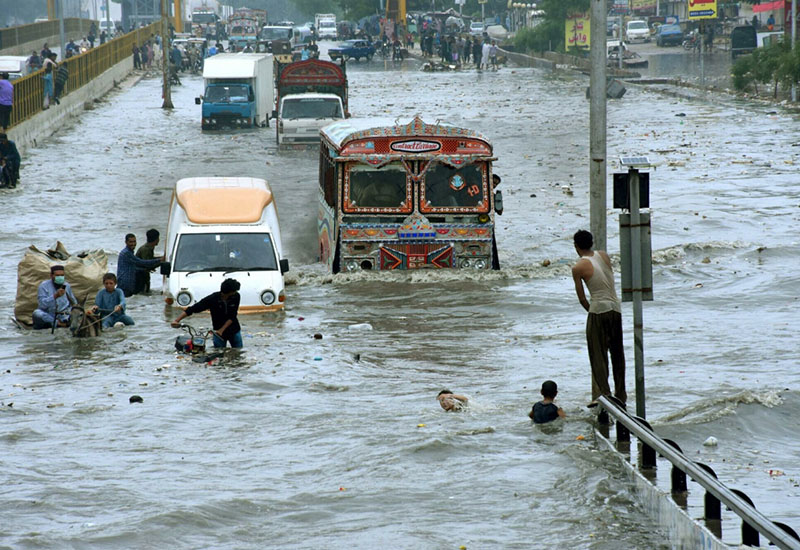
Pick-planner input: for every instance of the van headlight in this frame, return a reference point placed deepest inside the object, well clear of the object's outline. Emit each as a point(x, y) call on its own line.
point(183, 298)
point(351, 265)
point(267, 297)
point(465, 262)
point(479, 264)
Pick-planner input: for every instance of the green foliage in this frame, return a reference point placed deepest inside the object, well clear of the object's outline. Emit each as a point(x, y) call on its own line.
point(775, 64)
point(546, 35)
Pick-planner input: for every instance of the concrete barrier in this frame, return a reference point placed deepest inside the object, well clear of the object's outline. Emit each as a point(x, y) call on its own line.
point(524, 60)
point(683, 531)
point(44, 124)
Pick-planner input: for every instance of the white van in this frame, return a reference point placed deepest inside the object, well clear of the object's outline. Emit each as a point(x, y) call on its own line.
point(637, 31)
point(222, 228)
point(15, 65)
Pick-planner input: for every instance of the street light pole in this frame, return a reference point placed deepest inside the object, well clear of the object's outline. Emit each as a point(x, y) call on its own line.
point(61, 35)
point(794, 43)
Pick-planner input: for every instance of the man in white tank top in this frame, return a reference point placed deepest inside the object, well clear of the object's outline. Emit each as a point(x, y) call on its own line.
point(604, 323)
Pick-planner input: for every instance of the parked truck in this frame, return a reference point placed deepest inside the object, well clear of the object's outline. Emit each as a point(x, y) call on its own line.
point(238, 90)
point(311, 94)
point(325, 24)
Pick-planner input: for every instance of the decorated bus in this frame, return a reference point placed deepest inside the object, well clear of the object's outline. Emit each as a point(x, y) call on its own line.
point(406, 196)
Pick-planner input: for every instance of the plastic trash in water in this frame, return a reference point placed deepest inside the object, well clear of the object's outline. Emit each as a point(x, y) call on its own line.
point(710, 442)
point(360, 326)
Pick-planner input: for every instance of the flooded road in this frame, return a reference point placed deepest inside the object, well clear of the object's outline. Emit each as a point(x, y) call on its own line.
point(339, 442)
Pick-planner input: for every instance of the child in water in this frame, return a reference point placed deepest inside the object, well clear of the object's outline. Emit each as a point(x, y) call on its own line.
point(451, 401)
point(545, 410)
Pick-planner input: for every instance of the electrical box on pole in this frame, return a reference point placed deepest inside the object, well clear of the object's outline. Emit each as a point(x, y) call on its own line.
point(635, 256)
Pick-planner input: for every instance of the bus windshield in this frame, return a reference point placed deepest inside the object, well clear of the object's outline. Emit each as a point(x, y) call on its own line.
point(447, 187)
point(311, 107)
point(372, 187)
point(225, 252)
point(275, 33)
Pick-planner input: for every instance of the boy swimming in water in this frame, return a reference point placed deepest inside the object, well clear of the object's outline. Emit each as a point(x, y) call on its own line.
point(451, 401)
point(545, 410)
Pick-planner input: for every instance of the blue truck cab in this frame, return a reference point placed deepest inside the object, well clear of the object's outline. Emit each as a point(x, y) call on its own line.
point(238, 91)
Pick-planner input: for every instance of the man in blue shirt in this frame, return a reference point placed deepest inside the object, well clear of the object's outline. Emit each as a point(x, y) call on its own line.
point(55, 299)
point(128, 264)
point(110, 303)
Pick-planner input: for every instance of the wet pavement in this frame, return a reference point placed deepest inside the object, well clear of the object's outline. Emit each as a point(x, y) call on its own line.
point(339, 442)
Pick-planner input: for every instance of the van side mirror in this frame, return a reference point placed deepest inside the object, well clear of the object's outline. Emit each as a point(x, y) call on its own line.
point(166, 268)
point(284, 266)
point(498, 202)
point(198, 100)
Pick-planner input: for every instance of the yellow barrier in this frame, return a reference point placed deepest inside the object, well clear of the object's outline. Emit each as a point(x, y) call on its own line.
point(29, 90)
point(23, 34)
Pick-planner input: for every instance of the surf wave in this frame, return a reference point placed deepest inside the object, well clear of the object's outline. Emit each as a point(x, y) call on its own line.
point(708, 410)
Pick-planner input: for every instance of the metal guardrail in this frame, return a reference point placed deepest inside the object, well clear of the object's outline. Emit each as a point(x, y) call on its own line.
point(753, 522)
point(22, 34)
point(29, 90)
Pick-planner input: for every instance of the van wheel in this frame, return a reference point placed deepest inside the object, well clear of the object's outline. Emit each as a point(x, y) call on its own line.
point(369, 57)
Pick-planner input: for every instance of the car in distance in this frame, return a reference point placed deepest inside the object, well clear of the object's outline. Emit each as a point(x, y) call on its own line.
point(669, 35)
point(352, 49)
point(476, 28)
point(637, 31)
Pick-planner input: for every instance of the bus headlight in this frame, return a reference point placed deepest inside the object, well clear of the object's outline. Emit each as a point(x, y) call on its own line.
point(479, 264)
point(351, 265)
point(183, 298)
point(267, 297)
point(465, 262)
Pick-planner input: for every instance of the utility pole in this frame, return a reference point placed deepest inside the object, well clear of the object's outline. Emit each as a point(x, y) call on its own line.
point(794, 43)
point(109, 29)
point(61, 36)
point(165, 69)
point(597, 124)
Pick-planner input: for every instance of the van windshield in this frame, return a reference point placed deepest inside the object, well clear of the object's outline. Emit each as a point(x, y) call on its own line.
point(637, 25)
point(235, 93)
point(311, 107)
point(225, 252)
point(275, 33)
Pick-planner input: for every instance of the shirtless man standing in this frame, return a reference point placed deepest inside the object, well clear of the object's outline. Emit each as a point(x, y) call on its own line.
point(604, 323)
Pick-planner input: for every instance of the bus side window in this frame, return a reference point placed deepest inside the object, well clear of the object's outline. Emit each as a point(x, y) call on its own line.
point(329, 181)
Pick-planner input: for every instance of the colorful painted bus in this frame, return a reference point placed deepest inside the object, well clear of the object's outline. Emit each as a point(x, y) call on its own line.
point(406, 196)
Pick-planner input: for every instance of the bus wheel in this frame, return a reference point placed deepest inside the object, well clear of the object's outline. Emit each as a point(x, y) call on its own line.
point(495, 259)
point(336, 268)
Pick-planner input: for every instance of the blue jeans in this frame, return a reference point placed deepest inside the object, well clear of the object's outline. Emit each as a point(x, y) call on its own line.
point(235, 340)
point(114, 318)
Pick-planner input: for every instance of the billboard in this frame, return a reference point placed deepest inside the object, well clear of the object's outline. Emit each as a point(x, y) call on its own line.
point(576, 32)
point(702, 9)
point(641, 5)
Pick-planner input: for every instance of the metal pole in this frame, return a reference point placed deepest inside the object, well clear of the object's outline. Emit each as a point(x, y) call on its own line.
point(636, 284)
point(597, 125)
point(109, 29)
point(702, 52)
point(167, 91)
point(794, 40)
point(621, 47)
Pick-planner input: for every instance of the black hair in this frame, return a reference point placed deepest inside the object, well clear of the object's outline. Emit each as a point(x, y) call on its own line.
point(229, 285)
point(109, 277)
point(583, 239)
point(152, 235)
point(444, 392)
point(130, 236)
point(549, 389)
point(54, 268)
point(4, 76)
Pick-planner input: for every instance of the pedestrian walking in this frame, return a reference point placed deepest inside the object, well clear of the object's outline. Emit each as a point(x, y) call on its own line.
point(476, 52)
point(6, 101)
point(103, 37)
point(604, 322)
point(485, 49)
point(137, 58)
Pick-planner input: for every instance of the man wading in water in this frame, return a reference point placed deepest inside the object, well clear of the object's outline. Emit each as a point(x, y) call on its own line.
point(604, 323)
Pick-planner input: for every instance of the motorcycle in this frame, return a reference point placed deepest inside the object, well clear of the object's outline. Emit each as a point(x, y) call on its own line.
point(692, 42)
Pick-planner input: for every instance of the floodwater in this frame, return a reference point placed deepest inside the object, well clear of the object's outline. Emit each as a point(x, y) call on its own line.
point(339, 443)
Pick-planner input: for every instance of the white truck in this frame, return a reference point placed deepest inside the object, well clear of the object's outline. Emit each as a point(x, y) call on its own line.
point(311, 94)
point(326, 26)
point(239, 90)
